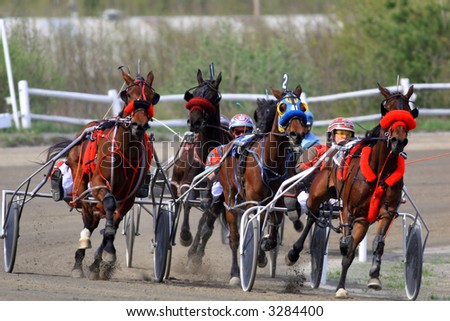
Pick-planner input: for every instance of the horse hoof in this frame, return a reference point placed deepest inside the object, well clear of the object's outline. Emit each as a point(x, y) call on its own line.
point(290, 259)
point(235, 281)
point(374, 284)
point(77, 273)
point(268, 244)
point(341, 293)
point(185, 239)
point(106, 271)
point(193, 265)
point(84, 244)
point(298, 225)
point(94, 275)
point(262, 262)
point(108, 257)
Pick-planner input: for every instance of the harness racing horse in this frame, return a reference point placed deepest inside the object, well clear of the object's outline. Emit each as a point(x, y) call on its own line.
point(252, 176)
point(369, 182)
point(110, 163)
point(204, 121)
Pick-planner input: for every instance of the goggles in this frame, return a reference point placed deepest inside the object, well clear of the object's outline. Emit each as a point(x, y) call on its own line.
point(345, 133)
point(239, 132)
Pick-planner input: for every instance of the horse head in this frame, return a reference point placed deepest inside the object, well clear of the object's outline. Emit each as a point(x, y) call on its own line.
point(290, 115)
point(264, 114)
point(139, 98)
point(203, 103)
point(397, 118)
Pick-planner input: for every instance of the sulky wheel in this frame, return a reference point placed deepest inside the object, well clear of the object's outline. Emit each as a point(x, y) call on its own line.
point(130, 232)
point(414, 261)
point(248, 249)
point(11, 236)
point(161, 243)
point(317, 249)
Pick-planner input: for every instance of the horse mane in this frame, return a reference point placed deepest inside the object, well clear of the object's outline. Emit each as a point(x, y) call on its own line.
point(374, 132)
point(264, 114)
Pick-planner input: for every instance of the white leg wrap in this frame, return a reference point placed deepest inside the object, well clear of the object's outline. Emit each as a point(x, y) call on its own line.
point(85, 241)
point(302, 198)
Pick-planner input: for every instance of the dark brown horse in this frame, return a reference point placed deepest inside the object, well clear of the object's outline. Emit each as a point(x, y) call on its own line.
point(254, 175)
point(110, 163)
point(369, 182)
point(204, 121)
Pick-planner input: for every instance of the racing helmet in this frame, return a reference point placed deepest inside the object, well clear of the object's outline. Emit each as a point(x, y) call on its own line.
point(241, 120)
point(339, 123)
point(224, 121)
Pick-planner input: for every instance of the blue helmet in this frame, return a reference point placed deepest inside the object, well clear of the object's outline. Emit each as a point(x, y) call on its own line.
point(309, 118)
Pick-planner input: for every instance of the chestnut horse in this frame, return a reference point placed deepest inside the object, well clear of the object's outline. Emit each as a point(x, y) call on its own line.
point(253, 175)
point(204, 121)
point(110, 163)
point(369, 182)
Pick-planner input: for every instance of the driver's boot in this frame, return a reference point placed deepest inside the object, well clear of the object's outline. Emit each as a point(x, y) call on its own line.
point(56, 185)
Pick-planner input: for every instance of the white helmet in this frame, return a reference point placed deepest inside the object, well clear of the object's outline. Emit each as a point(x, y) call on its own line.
point(342, 124)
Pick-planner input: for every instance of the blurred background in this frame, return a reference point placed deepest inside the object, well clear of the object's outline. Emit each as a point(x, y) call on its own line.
point(327, 46)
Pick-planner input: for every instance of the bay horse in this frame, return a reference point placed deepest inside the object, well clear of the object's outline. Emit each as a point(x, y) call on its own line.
point(263, 117)
point(255, 174)
point(369, 182)
point(204, 122)
point(110, 163)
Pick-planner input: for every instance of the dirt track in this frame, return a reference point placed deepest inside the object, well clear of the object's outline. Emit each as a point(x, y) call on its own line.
point(49, 237)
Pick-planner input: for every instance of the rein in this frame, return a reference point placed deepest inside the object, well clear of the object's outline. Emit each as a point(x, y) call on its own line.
point(98, 133)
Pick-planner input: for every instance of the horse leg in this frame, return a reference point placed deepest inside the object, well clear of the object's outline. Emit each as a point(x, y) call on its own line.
point(378, 249)
point(185, 233)
point(91, 222)
point(94, 268)
point(110, 205)
point(270, 241)
point(204, 232)
point(234, 246)
point(77, 270)
point(358, 233)
point(294, 254)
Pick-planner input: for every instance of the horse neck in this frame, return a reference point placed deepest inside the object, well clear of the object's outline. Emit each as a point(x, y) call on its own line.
point(210, 136)
point(276, 146)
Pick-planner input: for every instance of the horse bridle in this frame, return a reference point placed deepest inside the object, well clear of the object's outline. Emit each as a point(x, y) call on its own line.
point(399, 96)
point(188, 96)
point(140, 81)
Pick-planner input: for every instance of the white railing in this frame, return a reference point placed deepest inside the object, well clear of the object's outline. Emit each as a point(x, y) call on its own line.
point(113, 100)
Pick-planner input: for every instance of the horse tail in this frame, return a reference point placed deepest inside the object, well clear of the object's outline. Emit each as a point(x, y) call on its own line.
point(53, 150)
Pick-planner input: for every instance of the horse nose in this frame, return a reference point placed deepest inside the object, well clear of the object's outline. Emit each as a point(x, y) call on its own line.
point(399, 144)
point(195, 126)
point(295, 137)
